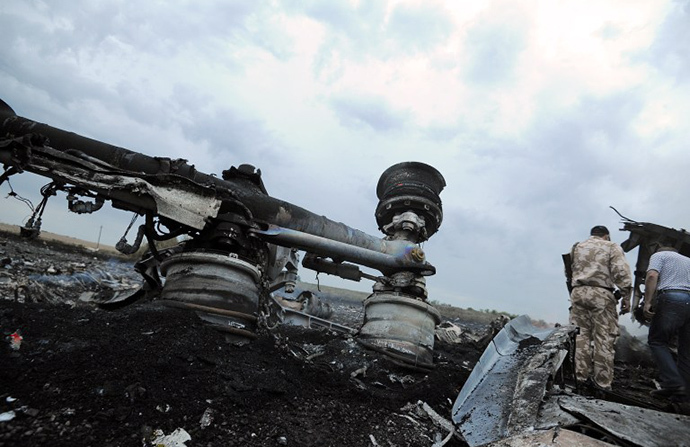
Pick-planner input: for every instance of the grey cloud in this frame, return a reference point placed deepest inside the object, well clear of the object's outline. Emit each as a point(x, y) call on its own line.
point(493, 53)
point(352, 32)
point(362, 31)
point(418, 28)
point(55, 60)
point(152, 28)
point(373, 113)
point(610, 31)
point(670, 51)
point(209, 26)
point(564, 167)
point(358, 22)
point(551, 174)
point(36, 61)
point(441, 133)
point(609, 118)
point(590, 140)
point(237, 138)
point(484, 255)
point(52, 58)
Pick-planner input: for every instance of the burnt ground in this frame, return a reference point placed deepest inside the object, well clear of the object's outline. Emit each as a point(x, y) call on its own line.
point(85, 376)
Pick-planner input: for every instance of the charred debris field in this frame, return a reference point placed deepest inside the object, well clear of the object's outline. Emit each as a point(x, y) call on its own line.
point(75, 374)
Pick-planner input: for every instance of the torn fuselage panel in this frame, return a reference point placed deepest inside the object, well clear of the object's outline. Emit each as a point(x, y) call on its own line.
point(641, 427)
point(504, 391)
point(167, 195)
point(511, 399)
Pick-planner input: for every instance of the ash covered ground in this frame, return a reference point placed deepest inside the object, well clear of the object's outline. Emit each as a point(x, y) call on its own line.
point(85, 376)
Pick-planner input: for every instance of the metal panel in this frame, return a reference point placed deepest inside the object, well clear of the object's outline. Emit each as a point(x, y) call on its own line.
point(639, 426)
point(504, 390)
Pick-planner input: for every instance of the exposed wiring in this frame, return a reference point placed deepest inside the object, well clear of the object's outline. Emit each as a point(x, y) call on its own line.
point(12, 193)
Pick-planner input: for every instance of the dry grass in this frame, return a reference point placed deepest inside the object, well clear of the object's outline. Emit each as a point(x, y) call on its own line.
point(48, 236)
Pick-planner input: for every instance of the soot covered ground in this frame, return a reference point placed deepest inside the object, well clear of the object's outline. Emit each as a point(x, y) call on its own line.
point(149, 375)
point(86, 376)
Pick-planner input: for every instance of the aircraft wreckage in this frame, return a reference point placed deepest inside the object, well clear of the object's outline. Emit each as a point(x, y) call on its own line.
point(241, 241)
point(237, 269)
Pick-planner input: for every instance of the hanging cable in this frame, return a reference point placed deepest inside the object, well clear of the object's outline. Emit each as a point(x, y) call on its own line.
point(24, 200)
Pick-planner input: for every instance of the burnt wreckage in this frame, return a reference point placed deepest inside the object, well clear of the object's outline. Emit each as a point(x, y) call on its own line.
point(647, 237)
point(241, 241)
point(241, 246)
point(519, 392)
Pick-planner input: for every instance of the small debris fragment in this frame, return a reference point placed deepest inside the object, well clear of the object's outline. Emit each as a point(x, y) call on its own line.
point(177, 438)
point(403, 380)
point(16, 340)
point(7, 416)
point(33, 412)
point(87, 297)
point(438, 420)
point(449, 332)
point(361, 371)
point(206, 418)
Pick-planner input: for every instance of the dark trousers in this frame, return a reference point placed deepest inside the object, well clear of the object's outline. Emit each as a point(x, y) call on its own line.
point(671, 318)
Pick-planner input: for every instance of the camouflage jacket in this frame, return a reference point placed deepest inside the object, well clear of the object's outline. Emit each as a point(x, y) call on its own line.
point(601, 263)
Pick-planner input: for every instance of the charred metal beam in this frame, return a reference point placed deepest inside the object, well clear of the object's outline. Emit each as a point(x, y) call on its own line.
point(233, 220)
point(138, 182)
point(387, 255)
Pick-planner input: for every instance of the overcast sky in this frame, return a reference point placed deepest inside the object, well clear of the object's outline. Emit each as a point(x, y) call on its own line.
point(539, 114)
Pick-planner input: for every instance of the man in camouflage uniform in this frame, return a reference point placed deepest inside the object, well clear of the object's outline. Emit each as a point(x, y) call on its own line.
point(598, 267)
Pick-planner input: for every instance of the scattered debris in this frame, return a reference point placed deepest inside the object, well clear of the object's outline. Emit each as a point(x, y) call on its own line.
point(163, 408)
point(96, 377)
point(306, 302)
point(647, 237)
point(53, 275)
point(177, 438)
point(449, 332)
point(281, 311)
point(519, 387)
point(7, 416)
point(15, 341)
point(206, 418)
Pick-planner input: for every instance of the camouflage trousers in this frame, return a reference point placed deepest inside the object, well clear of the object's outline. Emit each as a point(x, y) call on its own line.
point(594, 312)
